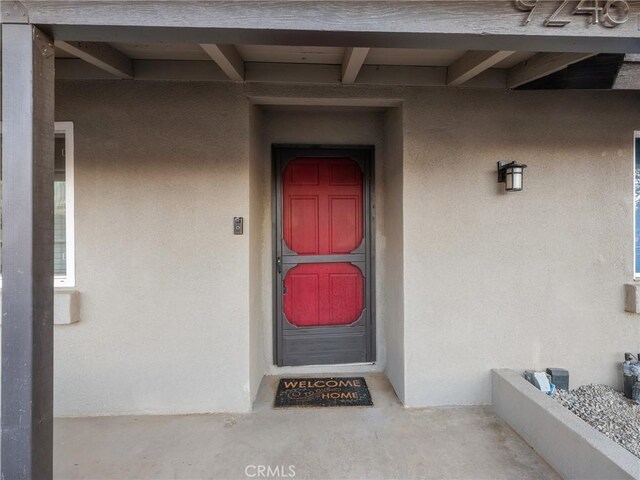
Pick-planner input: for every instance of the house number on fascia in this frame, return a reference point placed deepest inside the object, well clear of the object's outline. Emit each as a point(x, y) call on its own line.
point(609, 13)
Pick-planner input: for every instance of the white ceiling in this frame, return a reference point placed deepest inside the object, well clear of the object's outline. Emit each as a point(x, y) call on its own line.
point(161, 51)
point(412, 56)
point(297, 54)
point(286, 54)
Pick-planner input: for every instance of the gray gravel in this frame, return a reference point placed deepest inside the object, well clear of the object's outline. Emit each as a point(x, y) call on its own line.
point(606, 410)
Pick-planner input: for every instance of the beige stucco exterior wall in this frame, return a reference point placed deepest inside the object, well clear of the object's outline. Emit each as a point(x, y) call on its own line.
point(392, 294)
point(524, 280)
point(161, 170)
point(172, 300)
point(259, 238)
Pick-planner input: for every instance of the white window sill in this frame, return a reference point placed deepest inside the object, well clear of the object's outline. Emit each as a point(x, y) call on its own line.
point(66, 306)
point(632, 297)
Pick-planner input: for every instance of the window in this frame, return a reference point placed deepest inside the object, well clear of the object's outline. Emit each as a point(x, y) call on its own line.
point(63, 225)
point(636, 151)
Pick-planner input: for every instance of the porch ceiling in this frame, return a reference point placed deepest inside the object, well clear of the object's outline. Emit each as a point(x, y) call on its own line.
point(308, 64)
point(303, 54)
point(478, 43)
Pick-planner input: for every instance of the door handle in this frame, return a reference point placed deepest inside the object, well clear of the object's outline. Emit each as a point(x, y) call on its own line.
point(279, 265)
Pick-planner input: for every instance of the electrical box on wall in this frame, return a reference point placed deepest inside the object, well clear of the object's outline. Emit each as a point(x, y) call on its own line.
point(238, 225)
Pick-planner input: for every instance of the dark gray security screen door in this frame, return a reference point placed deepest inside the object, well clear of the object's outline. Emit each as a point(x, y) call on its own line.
point(323, 268)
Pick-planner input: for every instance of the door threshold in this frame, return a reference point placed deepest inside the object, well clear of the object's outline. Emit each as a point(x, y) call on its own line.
point(331, 365)
point(325, 369)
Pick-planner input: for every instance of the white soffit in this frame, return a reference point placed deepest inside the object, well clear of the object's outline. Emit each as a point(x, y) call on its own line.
point(162, 51)
point(412, 56)
point(291, 54)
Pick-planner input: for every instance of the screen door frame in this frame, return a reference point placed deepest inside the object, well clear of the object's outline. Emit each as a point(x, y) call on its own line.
point(363, 330)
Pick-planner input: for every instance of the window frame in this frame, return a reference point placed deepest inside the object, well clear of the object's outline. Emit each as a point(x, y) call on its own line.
point(68, 280)
point(636, 178)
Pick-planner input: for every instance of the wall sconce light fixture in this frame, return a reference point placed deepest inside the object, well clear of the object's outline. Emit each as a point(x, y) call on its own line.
point(511, 174)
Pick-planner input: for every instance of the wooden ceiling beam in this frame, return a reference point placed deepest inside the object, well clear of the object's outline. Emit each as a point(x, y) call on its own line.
point(100, 55)
point(472, 64)
point(228, 59)
point(628, 77)
point(541, 65)
point(354, 58)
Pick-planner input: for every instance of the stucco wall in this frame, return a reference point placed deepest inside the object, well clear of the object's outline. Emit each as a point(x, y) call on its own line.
point(161, 170)
point(392, 294)
point(523, 280)
point(327, 126)
point(171, 298)
point(258, 239)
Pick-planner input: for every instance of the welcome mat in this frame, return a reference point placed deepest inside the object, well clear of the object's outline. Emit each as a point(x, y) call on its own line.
point(323, 392)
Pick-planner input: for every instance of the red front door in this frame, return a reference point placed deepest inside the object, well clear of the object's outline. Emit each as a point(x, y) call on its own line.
point(323, 256)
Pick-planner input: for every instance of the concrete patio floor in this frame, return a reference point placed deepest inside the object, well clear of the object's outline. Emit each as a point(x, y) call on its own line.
point(384, 441)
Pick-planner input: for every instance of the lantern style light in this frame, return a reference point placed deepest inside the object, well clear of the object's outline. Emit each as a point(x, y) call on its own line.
point(512, 175)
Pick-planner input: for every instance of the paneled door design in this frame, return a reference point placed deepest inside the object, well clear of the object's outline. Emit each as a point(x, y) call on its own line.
point(323, 259)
